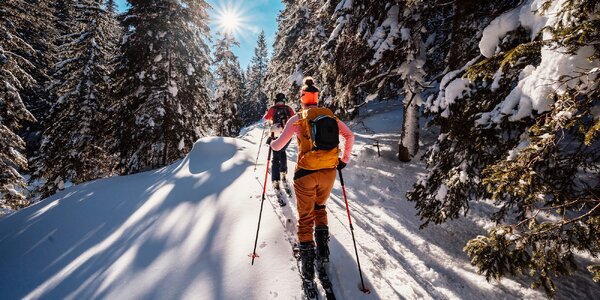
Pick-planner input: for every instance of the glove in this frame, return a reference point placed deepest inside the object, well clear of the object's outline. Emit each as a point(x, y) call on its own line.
point(341, 164)
point(269, 141)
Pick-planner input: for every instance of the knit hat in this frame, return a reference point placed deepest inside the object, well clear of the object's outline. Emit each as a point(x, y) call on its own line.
point(280, 97)
point(310, 93)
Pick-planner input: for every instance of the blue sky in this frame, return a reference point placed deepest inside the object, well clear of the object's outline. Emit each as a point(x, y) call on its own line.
point(254, 14)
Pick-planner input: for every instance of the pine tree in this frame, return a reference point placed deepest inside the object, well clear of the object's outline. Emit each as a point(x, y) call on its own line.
point(15, 77)
point(519, 125)
point(162, 97)
point(72, 148)
point(39, 32)
point(255, 99)
point(229, 89)
point(303, 26)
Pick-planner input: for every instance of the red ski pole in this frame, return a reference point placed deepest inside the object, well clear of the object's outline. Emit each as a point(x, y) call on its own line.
point(259, 146)
point(262, 202)
point(363, 289)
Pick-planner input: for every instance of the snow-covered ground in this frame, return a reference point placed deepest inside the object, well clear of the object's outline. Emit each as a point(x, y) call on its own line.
point(185, 232)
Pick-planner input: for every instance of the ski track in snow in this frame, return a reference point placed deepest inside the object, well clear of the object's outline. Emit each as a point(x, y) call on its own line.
point(185, 232)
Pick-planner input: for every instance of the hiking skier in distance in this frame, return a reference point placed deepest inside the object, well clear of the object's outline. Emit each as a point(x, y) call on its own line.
point(317, 131)
point(277, 116)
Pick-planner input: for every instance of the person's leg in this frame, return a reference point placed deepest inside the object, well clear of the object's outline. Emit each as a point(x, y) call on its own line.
point(305, 200)
point(305, 189)
point(326, 180)
point(283, 168)
point(275, 166)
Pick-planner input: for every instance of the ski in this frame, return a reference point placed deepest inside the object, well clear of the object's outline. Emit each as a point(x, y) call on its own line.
point(287, 188)
point(321, 268)
point(309, 286)
point(280, 198)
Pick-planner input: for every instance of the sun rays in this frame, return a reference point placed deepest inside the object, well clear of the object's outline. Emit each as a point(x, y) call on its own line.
point(230, 19)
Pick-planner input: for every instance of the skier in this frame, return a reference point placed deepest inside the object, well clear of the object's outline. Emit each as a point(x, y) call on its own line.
point(317, 131)
point(278, 115)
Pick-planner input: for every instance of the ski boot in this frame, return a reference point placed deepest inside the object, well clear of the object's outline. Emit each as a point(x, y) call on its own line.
point(284, 177)
point(322, 239)
point(307, 256)
point(276, 185)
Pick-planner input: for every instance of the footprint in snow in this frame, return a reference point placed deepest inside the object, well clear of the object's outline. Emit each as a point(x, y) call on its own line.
point(263, 244)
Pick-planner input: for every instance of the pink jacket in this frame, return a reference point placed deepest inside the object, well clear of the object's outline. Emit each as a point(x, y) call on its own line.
point(291, 129)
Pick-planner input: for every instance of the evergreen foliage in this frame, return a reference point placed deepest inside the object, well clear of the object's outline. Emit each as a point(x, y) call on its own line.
point(15, 77)
point(255, 100)
point(303, 26)
point(36, 28)
point(229, 92)
point(161, 101)
point(72, 146)
point(535, 157)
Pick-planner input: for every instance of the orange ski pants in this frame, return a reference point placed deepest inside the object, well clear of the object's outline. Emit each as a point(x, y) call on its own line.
point(312, 191)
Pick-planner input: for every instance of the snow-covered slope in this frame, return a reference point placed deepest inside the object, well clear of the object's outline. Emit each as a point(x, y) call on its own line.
point(185, 232)
point(181, 232)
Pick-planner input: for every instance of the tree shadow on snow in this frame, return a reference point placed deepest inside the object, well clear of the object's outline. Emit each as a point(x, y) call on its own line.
point(108, 229)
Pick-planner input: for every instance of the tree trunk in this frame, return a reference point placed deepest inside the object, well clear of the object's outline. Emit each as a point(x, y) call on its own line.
point(409, 140)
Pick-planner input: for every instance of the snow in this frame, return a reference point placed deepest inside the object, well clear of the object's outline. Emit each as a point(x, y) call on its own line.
point(405, 33)
point(557, 71)
point(173, 90)
point(497, 77)
point(190, 69)
point(524, 16)
point(185, 231)
point(494, 32)
point(523, 143)
point(341, 21)
point(181, 144)
point(454, 90)
point(451, 89)
point(181, 232)
point(158, 58)
point(537, 83)
point(371, 97)
point(384, 36)
point(344, 5)
point(297, 77)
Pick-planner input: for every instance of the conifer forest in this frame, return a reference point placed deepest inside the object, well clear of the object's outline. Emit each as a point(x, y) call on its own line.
point(500, 105)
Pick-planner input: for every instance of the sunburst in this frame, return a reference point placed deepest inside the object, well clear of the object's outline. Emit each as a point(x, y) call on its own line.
point(230, 19)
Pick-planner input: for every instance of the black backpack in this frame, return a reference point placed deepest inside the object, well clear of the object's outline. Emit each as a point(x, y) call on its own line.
point(324, 132)
point(281, 115)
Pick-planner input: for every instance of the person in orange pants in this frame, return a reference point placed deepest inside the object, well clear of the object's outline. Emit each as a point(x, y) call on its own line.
point(315, 171)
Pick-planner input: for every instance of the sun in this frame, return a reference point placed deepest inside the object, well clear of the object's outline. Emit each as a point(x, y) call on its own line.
point(229, 19)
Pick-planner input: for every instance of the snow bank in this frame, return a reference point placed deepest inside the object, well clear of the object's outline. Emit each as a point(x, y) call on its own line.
point(180, 232)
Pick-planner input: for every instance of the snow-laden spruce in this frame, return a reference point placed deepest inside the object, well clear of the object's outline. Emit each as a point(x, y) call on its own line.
point(161, 100)
point(520, 133)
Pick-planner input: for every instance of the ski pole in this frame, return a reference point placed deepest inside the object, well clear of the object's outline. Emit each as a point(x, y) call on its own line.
point(262, 202)
point(259, 146)
point(364, 289)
